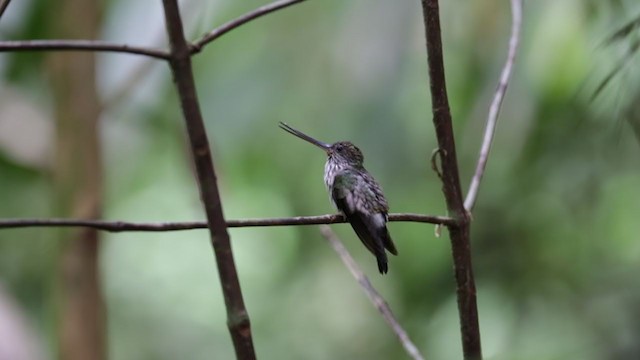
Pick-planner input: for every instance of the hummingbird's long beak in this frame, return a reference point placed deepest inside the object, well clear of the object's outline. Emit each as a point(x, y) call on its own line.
point(303, 136)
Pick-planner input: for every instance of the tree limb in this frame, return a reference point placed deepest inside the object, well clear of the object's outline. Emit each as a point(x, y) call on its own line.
point(180, 62)
point(496, 104)
point(122, 226)
point(225, 28)
point(459, 233)
point(378, 301)
point(77, 185)
point(80, 45)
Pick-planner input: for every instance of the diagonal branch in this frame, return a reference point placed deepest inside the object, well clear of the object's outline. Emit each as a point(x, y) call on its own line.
point(3, 6)
point(180, 62)
point(225, 28)
point(122, 226)
point(378, 301)
point(81, 45)
point(459, 233)
point(496, 104)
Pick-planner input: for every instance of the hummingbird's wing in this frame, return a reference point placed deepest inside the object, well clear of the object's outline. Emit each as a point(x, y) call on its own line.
point(359, 198)
point(378, 206)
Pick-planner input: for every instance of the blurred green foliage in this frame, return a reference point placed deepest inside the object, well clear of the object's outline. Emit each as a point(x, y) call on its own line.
point(555, 231)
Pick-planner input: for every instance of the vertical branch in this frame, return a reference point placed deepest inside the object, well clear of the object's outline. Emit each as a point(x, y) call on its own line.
point(459, 233)
point(180, 62)
point(78, 185)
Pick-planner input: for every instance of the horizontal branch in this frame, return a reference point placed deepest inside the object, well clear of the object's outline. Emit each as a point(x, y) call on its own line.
point(120, 226)
point(81, 45)
point(214, 34)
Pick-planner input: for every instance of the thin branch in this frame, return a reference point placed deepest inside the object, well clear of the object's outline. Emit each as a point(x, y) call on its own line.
point(182, 70)
point(496, 104)
point(378, 301)
point(225, 28)
point(122, 226)
point(3, 6)
point(142, 70)
point(434, 161)
point(132, 81)
point(459, 233)
point(81, 45)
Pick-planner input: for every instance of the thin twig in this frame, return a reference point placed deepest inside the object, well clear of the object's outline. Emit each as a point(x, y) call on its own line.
point(3, 6)
point(122, 226)
point(142, 69)
point(197, 46)
point(434, 161)
point(180, 61)
point(132, 80)
point(496, 105)
point(378, 301)
point(459, 233)
point(81, 45)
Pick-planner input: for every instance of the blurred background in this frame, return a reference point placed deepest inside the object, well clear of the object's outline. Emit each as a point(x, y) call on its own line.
point(554, 233)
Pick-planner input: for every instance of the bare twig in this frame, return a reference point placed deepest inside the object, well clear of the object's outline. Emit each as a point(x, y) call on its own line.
point(197, 46)
point(80, 45)
point(3, 6)
point(496, 104)
point(180, 62)
point(378, 301)
point(122, 226)
point(141, 70)
point(459, 233)
point(434, 161)
point(131, 81)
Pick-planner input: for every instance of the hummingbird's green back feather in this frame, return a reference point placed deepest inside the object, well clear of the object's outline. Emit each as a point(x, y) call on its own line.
point(357, 195)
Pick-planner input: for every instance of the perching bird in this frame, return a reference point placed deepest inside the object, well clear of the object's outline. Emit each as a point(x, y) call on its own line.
point(356, 194)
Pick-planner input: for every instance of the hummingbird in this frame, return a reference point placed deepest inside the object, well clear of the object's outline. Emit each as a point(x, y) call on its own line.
point(355, 194)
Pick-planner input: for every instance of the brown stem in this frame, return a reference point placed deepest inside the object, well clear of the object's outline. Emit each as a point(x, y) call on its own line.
point(121, 226)
point(77, 175)
point(252, 15)
point(459, 234)
point(80, 45)
point(378, 301)
point(180, 62)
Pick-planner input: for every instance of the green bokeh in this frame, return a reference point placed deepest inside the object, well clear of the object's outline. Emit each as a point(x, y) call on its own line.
point(554, 233)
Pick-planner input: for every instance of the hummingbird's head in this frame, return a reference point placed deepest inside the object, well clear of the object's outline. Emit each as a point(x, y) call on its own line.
point(344, 151)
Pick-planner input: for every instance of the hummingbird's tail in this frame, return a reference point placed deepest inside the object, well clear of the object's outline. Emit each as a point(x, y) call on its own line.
point(381, 256)
point(374, 235)
point(382, 263)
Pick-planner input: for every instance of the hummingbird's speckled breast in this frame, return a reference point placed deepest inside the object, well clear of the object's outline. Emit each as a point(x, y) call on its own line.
point(331, 168)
